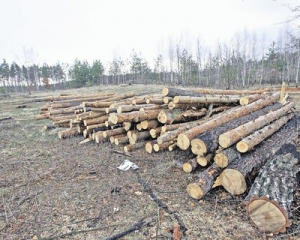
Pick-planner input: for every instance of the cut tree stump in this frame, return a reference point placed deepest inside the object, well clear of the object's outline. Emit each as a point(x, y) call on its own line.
point(184, 139)
point(230, 137)
point(207, 142)
point(240, 167)
point(270, 197)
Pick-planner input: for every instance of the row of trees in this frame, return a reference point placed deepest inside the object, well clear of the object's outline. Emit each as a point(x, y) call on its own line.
point(241, 62)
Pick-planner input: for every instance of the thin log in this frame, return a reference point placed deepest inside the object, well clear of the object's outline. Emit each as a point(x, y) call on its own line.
point(190, 165)
point(98, 137)
point(96, 120)
point(207, 99)
point(137, 136)
point(149, 124)
point(116, 131)
point(271, 195)
point(240, 168)
point(121, 139)
point(172, 92)
point(138, 127)
point(249, 99)
point(68, 133)
point(130, 147)
point(160, 147)
point(136, 116)
point(173, 146)
point(155, 132)
point(205, 160)
point(149, 146)
point(185, 138)
point(184, 106)
point(127, 125)
point(230, 137)
point(227, 92)
point(207, 142)
point(170, 116)
point(257, 137)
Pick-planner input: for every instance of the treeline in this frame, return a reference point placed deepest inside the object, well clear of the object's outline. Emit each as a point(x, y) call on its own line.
point(242, 62)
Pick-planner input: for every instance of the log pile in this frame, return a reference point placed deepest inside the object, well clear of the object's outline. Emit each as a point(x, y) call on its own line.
point(230, 135)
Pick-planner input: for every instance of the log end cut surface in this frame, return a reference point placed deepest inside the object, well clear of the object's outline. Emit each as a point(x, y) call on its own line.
point(233, 181)
point(183, 142)
point(267, 216)
point(194, 191)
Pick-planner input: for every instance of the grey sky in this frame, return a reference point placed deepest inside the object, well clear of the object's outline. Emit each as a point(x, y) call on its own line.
point(62, 30)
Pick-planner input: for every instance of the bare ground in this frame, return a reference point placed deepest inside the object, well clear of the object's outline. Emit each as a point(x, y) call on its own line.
point(56, 189)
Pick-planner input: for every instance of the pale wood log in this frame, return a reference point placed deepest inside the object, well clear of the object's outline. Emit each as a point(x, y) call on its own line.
point(110, 124)
point(184, 139)
point(68, 133)
point(138, 127)
point(114, 137)
point(190, 165)
point(153, 107)
point(233, 178)
point(149, 146)
point(227, 92)
point(137, 136)
point(205, 160)
point(96, 120)
point(207, 142)
point(127, 125)
point(130, 132)
point(89, 139)
point(250, 99)
point(155, 132)
point(81, 98)
point(160, 147)
point(170, 116)
point(257, 137)
point(65, 110)
point(96, 109)
point(136, 116)
point(116, 131)
point(171, 127)
point(167, 99)
point(194, 114)
point(111, 110)
point(173, 146)
point(95, 106)
point(172, 92)
point(62, 117)
point(155, 100)
point(232, 136)
point(204, 182)
point(149, 124)
point(98, 137)
point(89, 115)
point(185, 106)
point(270, 197)
point(130, 108)
point(65, 122)
point(139, 101)
point(206, 99)
point(121, 140)
point(130, 147)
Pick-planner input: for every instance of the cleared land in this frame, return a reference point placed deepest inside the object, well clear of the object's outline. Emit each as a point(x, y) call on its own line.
point(52, 188)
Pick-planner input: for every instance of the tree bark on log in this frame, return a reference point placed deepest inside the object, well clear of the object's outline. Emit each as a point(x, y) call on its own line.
point(224, 92)
point(116, 131)
point(242, 167)
point(136, 116)
point(250, 99)
point(121, 139)
point(270, 197)
point(190, 165)
point(206, 99)
point(205, 182)
point(130, 147)
point(184, 139)
point(257, 137)
point(96, 120)
point(207, 142)
point(172, 92)
point(231, 137)
point(149, 146)
point(184, 106)
point(170, 116)
point(160, 147)
point(68, 133)
point(155, 132)
point(149, 124)
point(205, 160)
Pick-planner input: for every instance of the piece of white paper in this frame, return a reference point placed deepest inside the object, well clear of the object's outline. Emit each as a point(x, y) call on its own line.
point(126, 165)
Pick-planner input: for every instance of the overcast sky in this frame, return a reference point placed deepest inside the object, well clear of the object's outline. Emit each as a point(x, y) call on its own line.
point(63, 30)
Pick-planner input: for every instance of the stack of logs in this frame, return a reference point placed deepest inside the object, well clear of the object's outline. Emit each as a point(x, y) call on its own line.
point(232, 135)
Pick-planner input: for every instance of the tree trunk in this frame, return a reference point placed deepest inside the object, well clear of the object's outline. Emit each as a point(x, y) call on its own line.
point(250, 99)
point(241, 166)
point(184, 139)
point(271, 194)
point(230, 137)
point(257, 137)
point(206, 99)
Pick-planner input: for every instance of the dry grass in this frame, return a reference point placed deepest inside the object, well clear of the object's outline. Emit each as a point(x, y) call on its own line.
point(50, 187)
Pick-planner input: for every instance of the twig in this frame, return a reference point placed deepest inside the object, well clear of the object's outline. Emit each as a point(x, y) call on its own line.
point(159, 202)
point(135, 227)
point(81, 231)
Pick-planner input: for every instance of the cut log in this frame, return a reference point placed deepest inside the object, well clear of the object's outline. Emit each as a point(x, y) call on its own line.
point(136, 116)
point(130, 147)
point(227, 92)
point(98, 137)
point(184, 106)
point(204, 182)
point(116, 131)
point(172, 92)
point(64, 110)
point(68, 133)
point(249, 99)
point(282, 92)
point(129, 108)
point(121, 140)
point(184, 139)
point(205, 160)
point(208, 142)
point(172, 127)
point(127, 125)
point(137, 136)
point(257, 137)
point(207, 99)
point(149, 146)
point(149, 124)
point(194, 114)
point(190, 165)
point(230, 137)
point(42, 116)
point(155, 132)
point(167, 99)
point(100, 125)
point(160, 147)
point(173, 146)
point(270, 197)
point(242, 167)
point(170, 116)
point(96, 120)
point(138, 127)
point(155, 100)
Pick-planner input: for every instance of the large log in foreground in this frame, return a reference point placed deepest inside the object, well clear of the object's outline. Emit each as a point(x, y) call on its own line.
point(184, 139)
point(270, 197)
point(233, 178)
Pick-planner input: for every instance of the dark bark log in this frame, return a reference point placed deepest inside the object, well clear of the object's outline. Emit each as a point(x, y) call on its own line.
point(172, 92)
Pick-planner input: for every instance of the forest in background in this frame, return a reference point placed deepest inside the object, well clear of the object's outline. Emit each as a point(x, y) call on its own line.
point(244, 61)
